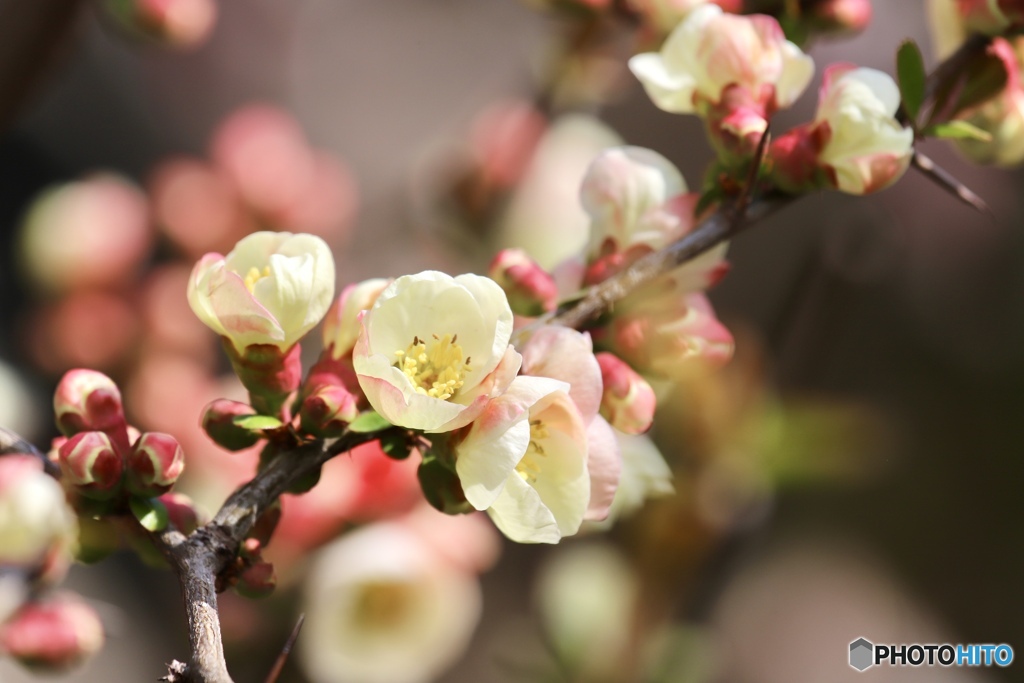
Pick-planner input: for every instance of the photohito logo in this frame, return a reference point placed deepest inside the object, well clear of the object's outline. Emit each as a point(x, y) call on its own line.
point(865, 654)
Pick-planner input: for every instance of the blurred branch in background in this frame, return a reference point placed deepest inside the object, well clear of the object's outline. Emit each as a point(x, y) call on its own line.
point(33, 38)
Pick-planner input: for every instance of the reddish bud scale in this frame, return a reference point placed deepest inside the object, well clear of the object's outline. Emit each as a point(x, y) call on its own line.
point(53, 635)
point(794, 159)
point(219, 424)
point(91, 464)
point(154, 464)
point(182, 512)
point(258, 580)
point(269, 374)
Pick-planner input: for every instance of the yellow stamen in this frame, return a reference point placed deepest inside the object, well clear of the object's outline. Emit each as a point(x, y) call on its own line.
point(437, 371)
point(255, 275)
point(529, 468)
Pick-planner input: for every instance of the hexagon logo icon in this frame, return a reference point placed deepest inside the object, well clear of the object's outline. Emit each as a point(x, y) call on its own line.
point(861, 654)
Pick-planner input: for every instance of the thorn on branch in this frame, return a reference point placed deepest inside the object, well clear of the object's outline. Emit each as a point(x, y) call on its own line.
point(285, 651)
point(945, 180)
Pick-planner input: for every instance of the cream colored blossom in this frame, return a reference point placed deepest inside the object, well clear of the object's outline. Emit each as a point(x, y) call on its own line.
point(272, 288)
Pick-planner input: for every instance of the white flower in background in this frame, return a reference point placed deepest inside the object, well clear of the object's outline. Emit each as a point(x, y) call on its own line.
point(645, 475)
point(624, 192)
point(272, 288)
point(711, 51)
point(586, 595)
point(383, 606)
point(524, 460)
point(434, 349)
point(866, 149)
point(35, 519)
point(638, 202)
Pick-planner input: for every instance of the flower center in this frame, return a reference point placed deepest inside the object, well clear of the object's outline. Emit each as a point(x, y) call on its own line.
point(529, 467)
point(436, 367)
point(255, 275)
point(382, 604)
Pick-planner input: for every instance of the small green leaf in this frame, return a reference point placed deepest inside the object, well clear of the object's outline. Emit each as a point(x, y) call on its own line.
point(150, 512)
point(911, 75)
point(958, 130)
point(369, 421)
point(256, 423)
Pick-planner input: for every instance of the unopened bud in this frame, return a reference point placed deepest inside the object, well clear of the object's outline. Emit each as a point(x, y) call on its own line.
point(182, 512)
point(178, 23)
point(530, 289)
point(52, 635)
point(219, 424)
point(341, 324)
point(628, 401)
point(91, 464)
point(842, 16)
point(326, 412)
point(154, 464)
point(86, 400)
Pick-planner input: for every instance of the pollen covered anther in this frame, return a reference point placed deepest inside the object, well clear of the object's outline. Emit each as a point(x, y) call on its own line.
point(437, 367)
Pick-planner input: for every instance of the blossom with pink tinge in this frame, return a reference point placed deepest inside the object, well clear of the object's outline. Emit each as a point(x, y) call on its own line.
point(53, 634)
point(568, 356)
point(524, 461)
point(271, 289)
point(664, 336)
point(434, 349)
point(711, 53)
point(865, 147)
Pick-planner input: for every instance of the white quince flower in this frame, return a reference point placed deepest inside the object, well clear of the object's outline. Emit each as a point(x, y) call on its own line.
point(385, 606)
point(866, 148)
point(434, 349)
point(711, 51)
point(272, 288)
point(524, 460)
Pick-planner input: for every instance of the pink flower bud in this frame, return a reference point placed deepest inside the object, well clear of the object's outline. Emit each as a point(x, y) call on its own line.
point(86, 400)
point(341, 324)
point(328, 410)
point(154, 464)
point(182, 512)
point(178, 23)
point(218, 423)
point(91, 464)
point(628, 401)
point(55, 634)
point(530, 289)
point(842, 16)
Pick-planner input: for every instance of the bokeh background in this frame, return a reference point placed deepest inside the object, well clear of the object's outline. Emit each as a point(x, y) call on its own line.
point(887, 333)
